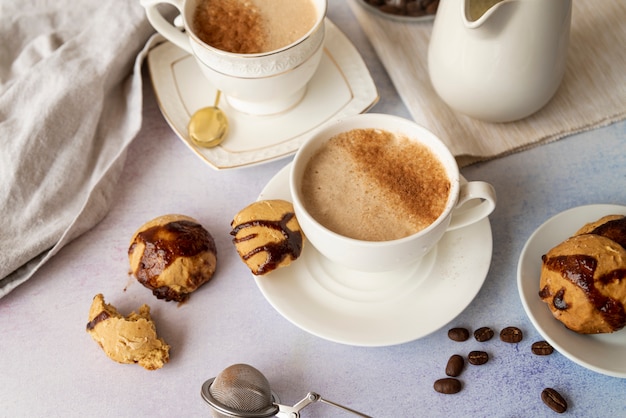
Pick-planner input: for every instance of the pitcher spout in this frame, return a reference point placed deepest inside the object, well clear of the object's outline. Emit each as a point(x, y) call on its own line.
point(477, 12)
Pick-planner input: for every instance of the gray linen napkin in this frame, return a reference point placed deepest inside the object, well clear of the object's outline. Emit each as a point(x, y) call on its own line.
point(70, 103)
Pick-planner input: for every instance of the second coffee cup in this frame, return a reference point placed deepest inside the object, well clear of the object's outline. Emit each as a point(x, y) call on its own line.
point(264, 82)
point(376, 192)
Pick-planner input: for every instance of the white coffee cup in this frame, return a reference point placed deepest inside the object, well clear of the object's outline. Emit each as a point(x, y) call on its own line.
point(259, 84)
point(467, 202)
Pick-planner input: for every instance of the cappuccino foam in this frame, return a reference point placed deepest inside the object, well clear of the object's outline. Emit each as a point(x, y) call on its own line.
point(253, 26)
point(373, 185)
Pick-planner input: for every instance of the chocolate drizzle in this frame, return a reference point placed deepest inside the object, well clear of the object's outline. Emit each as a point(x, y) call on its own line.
point(578, 269)
point(614, 230)
point(97, 319)
point(290, 246)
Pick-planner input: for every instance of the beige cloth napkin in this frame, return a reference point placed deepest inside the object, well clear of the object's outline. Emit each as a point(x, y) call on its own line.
point(70, 103)
point(592, 94)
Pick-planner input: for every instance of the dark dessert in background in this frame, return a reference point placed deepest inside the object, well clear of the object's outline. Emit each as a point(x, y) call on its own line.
point(408, 8)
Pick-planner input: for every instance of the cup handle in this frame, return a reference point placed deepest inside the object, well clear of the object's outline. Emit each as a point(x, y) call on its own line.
point(477, 199)
point(162, 26)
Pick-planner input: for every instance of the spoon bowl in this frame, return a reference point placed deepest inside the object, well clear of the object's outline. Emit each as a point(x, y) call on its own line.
point(208, 127)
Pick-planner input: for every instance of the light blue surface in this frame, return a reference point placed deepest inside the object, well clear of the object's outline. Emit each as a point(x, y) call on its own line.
point(50, 366)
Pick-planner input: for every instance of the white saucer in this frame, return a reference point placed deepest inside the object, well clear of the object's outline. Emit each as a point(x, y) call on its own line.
point(378, 309)
point(605, 353)
point(342, 86)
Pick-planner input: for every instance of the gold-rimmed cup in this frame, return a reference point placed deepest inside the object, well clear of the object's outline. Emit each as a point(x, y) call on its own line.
point(255, 83)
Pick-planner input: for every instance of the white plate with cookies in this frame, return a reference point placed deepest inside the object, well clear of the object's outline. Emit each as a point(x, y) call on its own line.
point(603, 352)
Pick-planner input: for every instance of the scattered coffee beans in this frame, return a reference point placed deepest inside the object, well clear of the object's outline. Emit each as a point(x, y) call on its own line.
point(455, 365)
point(511, 335)
point(542, 348)
point(483, 334)
point(478, 357)
point(554, 400)
point(458, 334)
point(448, 385)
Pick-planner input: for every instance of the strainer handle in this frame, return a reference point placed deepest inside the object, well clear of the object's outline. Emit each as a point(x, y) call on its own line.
point(285, 411)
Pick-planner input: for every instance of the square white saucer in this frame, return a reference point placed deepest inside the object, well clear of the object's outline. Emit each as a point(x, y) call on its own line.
point(342, 86)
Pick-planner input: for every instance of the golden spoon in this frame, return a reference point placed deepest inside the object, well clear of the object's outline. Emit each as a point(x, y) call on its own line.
point(208, 127)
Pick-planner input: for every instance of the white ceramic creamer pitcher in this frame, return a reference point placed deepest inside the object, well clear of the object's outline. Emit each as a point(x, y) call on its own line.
point(499, 60)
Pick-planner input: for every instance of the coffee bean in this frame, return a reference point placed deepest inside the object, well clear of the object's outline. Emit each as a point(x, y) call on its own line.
point(478, 357)
point(448, 385)
point(542, 348)
point(458, 334)
point(483, 334)
point(511, 335)
point(455, 365)
point(554, 400)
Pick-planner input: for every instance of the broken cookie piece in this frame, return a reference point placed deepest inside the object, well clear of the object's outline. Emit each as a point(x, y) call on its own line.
point(131, 339)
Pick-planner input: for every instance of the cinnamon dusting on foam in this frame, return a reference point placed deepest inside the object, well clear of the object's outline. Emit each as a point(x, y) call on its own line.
point(374, 185)
point(253, 26)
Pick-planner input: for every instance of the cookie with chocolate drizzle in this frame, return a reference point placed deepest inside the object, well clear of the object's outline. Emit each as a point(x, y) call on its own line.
point(583, 279)
point(172, 255)
point(267, 235)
